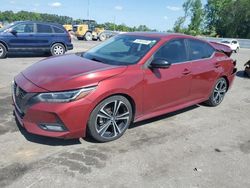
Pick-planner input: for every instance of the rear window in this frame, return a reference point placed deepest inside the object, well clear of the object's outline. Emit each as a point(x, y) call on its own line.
point(41, 28)
point(199, 50)
point(58, 30)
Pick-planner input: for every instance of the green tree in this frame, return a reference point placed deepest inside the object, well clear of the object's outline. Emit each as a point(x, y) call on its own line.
point(196, 17)
point(234, 20)
point(213, 12)
point(192, 9)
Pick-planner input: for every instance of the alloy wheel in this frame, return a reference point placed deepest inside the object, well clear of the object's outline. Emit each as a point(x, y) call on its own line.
point(112, 119)
point(58, 50)
point(219, 91)
point(1, 51)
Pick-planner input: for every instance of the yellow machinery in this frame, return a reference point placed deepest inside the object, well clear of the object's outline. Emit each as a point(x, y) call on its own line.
point(88, 31)
point(68, 27)
point(1, 25)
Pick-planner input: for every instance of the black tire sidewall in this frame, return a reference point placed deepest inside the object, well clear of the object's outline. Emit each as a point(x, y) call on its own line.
point(54, 45)
point(100, 37)
point(210, 101)
point(86, 38)
point(92, 119)
point(4, 51)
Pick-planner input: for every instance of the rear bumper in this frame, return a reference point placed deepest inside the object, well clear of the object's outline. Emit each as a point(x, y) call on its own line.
point(70, 47)
point(231, 77)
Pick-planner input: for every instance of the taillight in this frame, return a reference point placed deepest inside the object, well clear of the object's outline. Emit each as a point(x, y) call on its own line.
point(69, 36)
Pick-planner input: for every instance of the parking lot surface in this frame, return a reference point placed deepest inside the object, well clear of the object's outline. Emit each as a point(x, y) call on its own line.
point(199, 146)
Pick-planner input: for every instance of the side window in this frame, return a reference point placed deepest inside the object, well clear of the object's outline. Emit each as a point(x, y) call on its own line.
point(58, 30)
point(41, 28)
point(24, 28)
point(199, 50)
point(173, 51)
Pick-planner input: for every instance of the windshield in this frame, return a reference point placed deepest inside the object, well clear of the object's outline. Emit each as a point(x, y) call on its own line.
point(225, 42)
point(121, 50)
point(6, 27)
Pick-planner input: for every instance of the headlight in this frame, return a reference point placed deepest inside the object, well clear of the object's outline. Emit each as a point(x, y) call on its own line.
point(65, 96)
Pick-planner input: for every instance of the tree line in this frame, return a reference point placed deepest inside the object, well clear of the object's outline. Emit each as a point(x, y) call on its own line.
point(224, 18)
point(10, 16)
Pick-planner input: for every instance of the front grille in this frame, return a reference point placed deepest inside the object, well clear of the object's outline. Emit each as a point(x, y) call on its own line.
point(19, 94)
point(22, 99)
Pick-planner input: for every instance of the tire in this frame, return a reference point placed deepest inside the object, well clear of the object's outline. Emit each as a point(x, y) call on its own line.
point(88, 36)
point(80, 38)
point(102, 37)
point(218, 92)
point(3, 51)
point(237, 50)
point(110, 119)
point(57, 49)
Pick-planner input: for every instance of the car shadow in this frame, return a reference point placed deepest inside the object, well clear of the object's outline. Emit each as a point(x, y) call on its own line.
point(64, 142)
point(242, 74)
point(27, 55)
point(46, 140)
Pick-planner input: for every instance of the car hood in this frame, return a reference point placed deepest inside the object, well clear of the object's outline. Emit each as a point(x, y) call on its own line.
point(69, 72)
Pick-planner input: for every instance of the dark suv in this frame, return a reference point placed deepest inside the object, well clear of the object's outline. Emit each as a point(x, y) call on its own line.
point(31, 36)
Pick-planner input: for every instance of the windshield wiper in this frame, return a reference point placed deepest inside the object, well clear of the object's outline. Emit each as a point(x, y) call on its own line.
point(98, 60)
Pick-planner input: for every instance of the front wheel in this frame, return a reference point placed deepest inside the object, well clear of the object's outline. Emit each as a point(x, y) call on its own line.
point(218, 92)
point(110, 119)
point(3, 51)
point(88, 36)
point(57, 49)
point(102, 37)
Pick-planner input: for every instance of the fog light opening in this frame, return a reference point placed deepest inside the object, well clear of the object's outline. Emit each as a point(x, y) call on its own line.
point(52, 127)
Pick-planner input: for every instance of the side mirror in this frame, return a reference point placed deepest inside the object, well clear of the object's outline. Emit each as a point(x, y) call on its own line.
point(160, 63)
point(13, 32)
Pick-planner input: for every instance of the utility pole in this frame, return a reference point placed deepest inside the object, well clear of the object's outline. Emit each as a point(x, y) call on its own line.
point(114, 22)
point(88, 10)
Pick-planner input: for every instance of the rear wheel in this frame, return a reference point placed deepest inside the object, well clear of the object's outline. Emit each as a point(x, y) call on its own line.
point(102, 37)
point(218, 93)
point(3, 51)
point(57, 49)
point(110, 119)
point(88, 36)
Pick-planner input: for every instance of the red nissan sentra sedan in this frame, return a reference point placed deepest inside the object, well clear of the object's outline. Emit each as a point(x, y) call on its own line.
point(129, 78)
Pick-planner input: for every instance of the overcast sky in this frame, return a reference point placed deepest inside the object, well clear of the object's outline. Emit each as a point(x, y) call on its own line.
point(157, 14)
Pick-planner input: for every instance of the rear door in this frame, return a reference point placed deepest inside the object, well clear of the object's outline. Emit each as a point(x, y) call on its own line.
point(204, 68)
point(23, 39)
point(168, 87)
point(44, 36)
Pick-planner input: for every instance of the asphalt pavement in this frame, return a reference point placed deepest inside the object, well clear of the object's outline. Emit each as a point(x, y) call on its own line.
point(198, 146)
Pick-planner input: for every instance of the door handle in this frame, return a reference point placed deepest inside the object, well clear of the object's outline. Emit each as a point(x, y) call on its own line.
point(186, 72)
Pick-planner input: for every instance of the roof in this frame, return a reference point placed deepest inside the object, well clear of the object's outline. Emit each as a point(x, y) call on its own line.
point(158, 34)
point(39, 22)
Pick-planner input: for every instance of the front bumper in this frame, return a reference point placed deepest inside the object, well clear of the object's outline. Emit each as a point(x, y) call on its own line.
point(73, 116)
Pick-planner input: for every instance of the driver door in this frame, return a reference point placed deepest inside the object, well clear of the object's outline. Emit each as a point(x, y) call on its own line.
point(168, 87)
point(22, 37)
